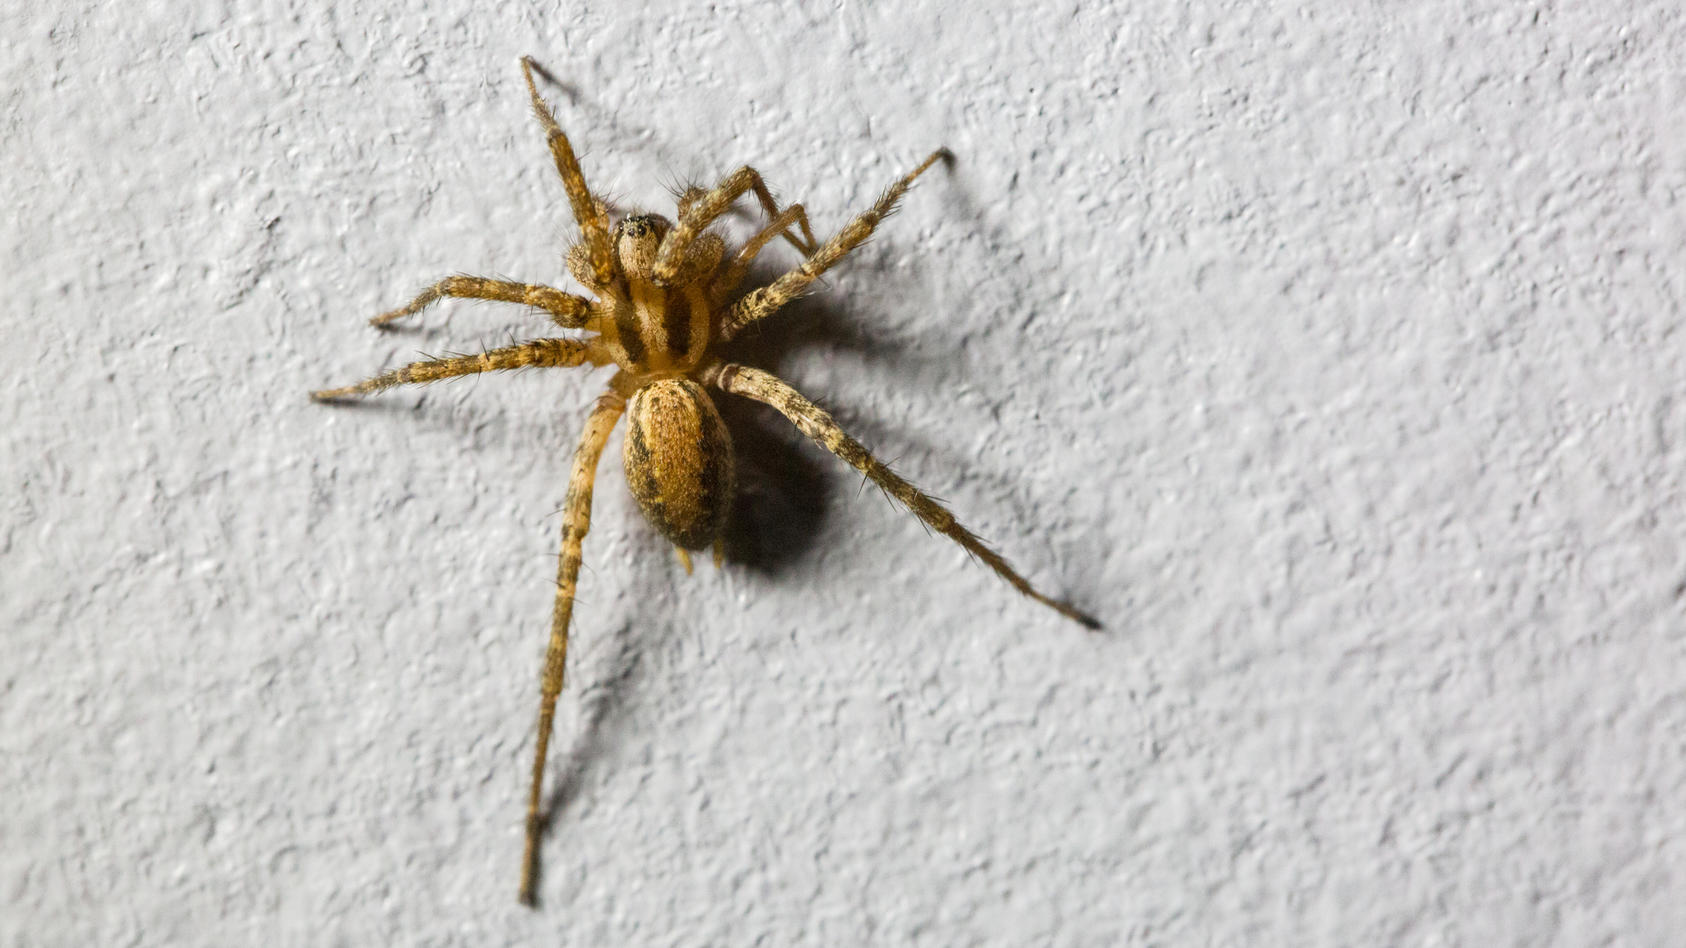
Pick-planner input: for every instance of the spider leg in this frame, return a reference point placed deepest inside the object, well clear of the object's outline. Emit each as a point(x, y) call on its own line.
point(538, 352)
point(766, 301)
point(733, 275)
point(576, 520)
point(569, 311)
point(813, 421)
point(698, 209)
point(593, 218)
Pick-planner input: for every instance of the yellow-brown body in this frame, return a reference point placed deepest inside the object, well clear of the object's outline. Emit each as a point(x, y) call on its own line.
point(677, 454)
point(653, 328)
point(678, 458)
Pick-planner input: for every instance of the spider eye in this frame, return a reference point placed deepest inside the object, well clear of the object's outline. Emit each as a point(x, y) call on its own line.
point(643, 226)
point(636, 240)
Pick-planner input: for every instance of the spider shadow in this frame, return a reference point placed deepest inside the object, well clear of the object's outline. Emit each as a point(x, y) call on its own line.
point(785, 483)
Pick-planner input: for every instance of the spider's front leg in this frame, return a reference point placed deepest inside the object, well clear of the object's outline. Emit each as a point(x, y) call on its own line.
point(698, 209)
point(576, 520)
point(593, 218)
point(733, 274)
point(814, 422)
point(769, 299)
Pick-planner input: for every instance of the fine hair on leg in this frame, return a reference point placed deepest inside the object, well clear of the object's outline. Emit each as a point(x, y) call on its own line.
point(588, 211)
point(769, 299)
point(698, 209)
point(546, 353)
point(733, 275)
point(569, 311)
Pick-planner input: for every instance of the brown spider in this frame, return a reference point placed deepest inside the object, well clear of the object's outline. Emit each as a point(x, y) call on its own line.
point(664, 303)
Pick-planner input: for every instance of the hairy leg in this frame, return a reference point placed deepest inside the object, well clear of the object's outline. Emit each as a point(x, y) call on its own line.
point(569, 311)
point(576, 520)
point(767, 300)
point(698, 209)
point(819, 426)
point(590, 213)
point(550, 353)
point(730, 278)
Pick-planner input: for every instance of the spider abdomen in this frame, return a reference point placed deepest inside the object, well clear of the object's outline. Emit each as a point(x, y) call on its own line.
point(678, 458)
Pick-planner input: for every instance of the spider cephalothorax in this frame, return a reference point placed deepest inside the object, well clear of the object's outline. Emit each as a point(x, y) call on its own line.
point(665, 295)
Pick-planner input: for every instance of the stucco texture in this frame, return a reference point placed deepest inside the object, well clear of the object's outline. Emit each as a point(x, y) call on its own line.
point(1327, 352)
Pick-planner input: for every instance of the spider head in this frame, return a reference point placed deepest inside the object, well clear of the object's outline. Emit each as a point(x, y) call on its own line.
point(637, 238)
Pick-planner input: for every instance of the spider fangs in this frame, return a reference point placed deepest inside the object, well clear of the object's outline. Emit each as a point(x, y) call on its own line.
point(666, 295)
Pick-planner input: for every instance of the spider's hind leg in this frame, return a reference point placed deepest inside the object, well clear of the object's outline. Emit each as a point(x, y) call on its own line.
point(576, 520)
point(819, 426)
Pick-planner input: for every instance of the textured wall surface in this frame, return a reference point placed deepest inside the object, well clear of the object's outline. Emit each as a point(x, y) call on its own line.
point(1330, 356)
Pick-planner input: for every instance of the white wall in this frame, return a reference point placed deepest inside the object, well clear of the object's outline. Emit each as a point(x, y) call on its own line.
point(1330, 357)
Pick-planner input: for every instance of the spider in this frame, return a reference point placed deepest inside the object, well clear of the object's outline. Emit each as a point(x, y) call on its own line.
point(667, 295)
